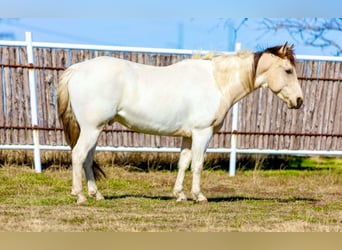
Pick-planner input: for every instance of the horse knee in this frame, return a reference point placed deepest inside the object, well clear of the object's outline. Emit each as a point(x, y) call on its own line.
point(184, 159)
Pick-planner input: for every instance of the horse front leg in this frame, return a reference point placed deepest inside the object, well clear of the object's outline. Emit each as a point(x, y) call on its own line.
point(200, 141)
point(183, 164)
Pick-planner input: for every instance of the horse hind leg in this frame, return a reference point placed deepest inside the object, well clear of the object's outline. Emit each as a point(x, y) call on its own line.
point(82, 155)
point(91, 177)
point(183, 165)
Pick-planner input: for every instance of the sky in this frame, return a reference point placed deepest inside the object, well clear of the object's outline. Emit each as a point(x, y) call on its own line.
point(194, 25)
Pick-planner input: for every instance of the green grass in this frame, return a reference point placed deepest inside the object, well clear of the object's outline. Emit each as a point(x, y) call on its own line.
point(254, 200)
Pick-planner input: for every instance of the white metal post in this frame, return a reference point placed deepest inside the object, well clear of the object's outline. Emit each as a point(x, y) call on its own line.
point(33, 103)
point(233, 139)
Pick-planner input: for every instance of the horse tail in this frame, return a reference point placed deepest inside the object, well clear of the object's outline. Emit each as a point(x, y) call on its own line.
point(65, 113)
point(68, 119)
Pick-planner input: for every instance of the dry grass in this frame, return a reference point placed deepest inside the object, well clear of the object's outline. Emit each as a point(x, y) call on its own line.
point(139, 201)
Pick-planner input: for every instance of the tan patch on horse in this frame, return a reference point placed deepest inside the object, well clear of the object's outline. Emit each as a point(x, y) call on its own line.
point(65, 114)
point(227, 69)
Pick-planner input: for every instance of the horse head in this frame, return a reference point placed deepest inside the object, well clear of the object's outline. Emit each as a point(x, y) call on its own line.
point(275, 69)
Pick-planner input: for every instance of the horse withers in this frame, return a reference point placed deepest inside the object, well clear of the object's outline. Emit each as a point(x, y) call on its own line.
point(189, 99)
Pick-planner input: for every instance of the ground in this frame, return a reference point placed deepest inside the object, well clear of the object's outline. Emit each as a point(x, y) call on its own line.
point(253, 201)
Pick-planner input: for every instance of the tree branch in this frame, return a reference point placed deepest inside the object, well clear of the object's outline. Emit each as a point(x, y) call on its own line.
point(312, 31)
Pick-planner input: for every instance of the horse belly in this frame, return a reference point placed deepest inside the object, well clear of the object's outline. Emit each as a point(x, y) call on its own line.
point(152, 123)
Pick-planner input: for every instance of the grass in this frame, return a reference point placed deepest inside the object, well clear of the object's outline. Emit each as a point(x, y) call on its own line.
point(254, 200)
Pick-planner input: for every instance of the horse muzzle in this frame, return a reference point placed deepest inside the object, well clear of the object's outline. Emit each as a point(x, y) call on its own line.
point(295, 105)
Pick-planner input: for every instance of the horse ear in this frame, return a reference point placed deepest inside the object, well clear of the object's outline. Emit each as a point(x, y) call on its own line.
point(283, 49)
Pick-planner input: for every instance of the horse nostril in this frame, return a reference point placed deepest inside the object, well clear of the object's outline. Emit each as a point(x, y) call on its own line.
point(299, 102)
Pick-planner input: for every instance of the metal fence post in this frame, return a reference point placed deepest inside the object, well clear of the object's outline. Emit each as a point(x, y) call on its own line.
point(233, 139)
point(33, 103)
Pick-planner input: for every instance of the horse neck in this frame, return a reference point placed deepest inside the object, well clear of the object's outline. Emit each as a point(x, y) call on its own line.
point(234, 76)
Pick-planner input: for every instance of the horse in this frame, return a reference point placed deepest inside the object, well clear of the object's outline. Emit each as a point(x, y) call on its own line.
point(189, 99)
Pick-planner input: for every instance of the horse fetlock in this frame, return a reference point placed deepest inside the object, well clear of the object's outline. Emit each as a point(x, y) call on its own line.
point(75, 192)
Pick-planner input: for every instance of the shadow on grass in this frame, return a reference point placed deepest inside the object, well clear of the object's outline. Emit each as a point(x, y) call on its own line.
point(215, 199)
point(139, 196)
point(246, 198)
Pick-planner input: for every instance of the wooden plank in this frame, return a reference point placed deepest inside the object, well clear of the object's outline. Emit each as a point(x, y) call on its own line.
point(11, 115)
point(47, 80)
point(257, 116)
point(9, 95)
point(272, 113)
point(21, 109)
point(38, 60)
point(276, 124)
point(54, 85)
point(314, 93)
point(328, 96)
point(336, 116)
point(297, 120)
point(241, 124)
point(307, 85)
point(268, 119)
point(26, 90)
point(244, 111)
point(2, 98)
point(15, 95)
point(324, 106)
point(61, 59)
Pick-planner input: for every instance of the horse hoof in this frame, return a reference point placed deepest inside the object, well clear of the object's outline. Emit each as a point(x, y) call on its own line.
point(180, 197)
point(200, 198)
point(99, 196)
point(205, 201)
point(82, 200)
point(96, 195)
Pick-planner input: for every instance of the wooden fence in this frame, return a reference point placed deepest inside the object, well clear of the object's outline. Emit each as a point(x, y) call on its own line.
point(264, 120)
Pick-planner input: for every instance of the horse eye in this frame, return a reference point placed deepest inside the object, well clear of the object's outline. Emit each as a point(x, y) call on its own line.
point(289, 71)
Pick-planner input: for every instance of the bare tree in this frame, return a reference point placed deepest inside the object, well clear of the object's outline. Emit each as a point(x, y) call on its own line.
point(316, 32)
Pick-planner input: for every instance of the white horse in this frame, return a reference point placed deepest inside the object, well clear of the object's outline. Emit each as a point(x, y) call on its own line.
point(190, 99)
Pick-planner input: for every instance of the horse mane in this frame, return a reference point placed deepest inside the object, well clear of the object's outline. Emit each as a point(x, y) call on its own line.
point(288, 54)
point(212, 55)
